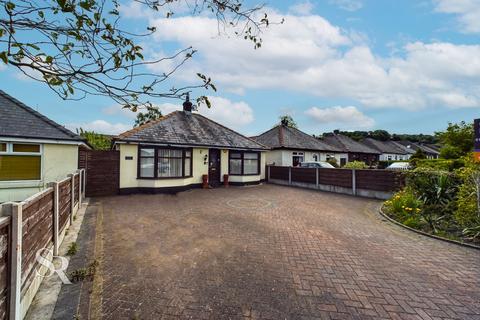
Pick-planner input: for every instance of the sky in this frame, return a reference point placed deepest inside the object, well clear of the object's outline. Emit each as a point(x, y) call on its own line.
point(403, 66)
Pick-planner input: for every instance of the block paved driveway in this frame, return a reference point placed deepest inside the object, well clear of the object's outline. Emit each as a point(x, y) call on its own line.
point(272, 252)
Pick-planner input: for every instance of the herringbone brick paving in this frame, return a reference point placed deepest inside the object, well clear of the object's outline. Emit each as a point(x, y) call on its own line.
point(271, 252)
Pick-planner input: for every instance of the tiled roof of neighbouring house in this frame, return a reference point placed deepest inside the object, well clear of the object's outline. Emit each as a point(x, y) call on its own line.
point(19, 121)
point(283, 136)
point(186, 128)
point(385, 146)
point(347, 144)
point(415, 146)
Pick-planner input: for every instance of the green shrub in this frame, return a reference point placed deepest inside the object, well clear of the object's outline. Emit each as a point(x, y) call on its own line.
point(467, 213)
point(437, 191)
point(403, 206)
point(440, 164)
point(356, 165)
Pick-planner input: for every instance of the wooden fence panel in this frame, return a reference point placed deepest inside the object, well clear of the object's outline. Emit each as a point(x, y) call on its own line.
point(102, 169)
point(306, 175)
point(335, 177)
point(380, 180)
point(5, 241)
point(279, 173)
point(37, 226)
point(64, 203)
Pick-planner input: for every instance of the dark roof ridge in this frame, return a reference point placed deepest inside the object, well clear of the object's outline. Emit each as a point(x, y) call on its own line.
point(40, 116)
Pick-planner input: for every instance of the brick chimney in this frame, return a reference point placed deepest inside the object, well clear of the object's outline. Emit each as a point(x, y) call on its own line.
point(187, 105)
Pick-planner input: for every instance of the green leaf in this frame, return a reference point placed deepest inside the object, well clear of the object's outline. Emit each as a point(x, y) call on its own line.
point(3, 56)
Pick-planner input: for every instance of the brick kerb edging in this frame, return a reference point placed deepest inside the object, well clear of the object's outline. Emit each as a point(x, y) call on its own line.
point(425, 233)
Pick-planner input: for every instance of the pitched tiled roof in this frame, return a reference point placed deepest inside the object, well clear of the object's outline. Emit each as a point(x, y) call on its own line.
point(385, 146)
point(19, 121)
point(282, 136)
point(186, 128)
point(415, 146)
point(347, 144)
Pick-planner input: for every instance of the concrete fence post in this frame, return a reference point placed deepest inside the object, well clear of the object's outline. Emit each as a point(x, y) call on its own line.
point(354, 182)
point(316, 177)
point(14, 210)
point(80, 174)
point(84, 182)
point(268, 173)
point(72, 196)
point(289, 175)
point(56, 215)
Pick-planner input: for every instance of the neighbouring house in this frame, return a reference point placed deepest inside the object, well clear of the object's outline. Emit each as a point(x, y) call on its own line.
point(389, 150)
point(290, 146)
point(173, 153)
point(355, 150)
point(34, 150)
point(431, 152)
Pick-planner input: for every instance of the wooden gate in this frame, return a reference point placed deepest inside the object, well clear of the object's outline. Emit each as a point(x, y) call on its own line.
point(102, 170)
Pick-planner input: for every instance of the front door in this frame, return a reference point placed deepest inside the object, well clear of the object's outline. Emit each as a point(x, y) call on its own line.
point(214, 167)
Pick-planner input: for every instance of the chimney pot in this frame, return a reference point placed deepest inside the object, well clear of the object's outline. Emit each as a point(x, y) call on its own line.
point(187, 105)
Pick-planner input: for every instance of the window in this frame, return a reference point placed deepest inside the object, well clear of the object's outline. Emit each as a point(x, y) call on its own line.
point(170, 163)
point(147, 163)
point(161, 163)
point(244, 163)
point(19, 161)
point(315, 157)
point(298, 157)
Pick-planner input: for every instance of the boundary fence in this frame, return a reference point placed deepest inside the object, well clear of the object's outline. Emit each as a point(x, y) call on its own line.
point(380, 184)
point(27, 227)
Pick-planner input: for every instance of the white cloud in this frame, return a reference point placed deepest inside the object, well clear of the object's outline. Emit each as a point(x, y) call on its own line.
point(302, 9)
point(467, 12)
point(343, 117)
point(349, 5)
point(101, 126)
point(309, 54)
point(231, 114)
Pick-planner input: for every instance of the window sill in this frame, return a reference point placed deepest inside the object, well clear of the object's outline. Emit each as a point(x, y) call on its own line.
point(21, 184)
point(164, 178)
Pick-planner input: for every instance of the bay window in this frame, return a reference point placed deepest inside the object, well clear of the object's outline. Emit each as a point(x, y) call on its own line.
point(162, 162)
point(20, 161)
point(244, 163)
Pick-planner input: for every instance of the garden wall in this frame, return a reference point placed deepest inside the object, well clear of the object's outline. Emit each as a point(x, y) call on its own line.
point(380, 184)
point(27, 227)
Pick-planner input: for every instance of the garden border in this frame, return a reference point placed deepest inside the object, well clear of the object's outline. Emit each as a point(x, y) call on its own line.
point(425, 233)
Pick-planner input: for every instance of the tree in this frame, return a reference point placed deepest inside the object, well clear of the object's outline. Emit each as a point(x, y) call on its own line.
point(418, 155)
point(98, 141)
point(288, 121)
point(457, 140)
point(381, 135)
point(79, 48)
point(151, 115)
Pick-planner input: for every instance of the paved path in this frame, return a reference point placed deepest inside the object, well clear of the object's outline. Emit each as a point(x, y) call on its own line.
point(272, 252)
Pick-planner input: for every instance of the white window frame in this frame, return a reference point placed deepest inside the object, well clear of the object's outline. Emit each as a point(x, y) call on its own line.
point(23, 183)
point(317, 156)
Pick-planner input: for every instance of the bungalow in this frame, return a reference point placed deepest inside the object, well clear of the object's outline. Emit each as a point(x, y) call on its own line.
point(389, 150)
point(34, 150)
point(431, 152)
point(177, 151)
point(355, 150)
point(290, 146)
